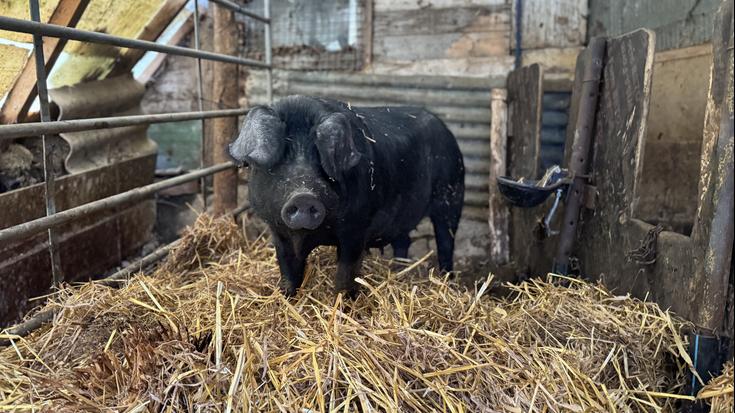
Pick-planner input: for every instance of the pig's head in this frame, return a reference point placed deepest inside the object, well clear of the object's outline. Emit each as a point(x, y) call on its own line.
point(300, 155)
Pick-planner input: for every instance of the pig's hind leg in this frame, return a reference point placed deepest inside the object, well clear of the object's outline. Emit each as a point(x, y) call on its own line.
point(349, 257)
point(445, 213)
point(400, 246)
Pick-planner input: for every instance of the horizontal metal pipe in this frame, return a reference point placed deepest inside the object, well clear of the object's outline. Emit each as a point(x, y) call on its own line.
point(239, 9)
point(41, 224)
point(53, 30)
point(41, 318)
point(19, 130)
point(114, 279)
point(155, 256)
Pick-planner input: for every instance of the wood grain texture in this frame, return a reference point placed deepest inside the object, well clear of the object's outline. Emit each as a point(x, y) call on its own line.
point(554, 24)
point(712, 235)
point(677, 23)
point(224, 92)
point(525, 93)
point(423, 33)
point(498, 212)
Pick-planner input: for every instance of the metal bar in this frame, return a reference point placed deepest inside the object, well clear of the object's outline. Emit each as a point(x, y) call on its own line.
point(49, 194)
point(41, 224)
point(239, 210)
point(239, 9)
point(200, 95)
point(114, 279)
point(579, 161)
point(20, 130)
point(52, 30)
point(268, 51)
point(124, 273)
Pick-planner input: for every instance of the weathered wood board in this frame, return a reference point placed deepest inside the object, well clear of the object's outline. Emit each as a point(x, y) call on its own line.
point(411, 31)
point(712, 235)
point(553, 24)
point(525, 92)
point(620, 130)
point(498, 210)
point(677, 23)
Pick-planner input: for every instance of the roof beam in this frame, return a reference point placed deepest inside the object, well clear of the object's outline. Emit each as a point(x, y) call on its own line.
point(151, 32)
point(23, 92)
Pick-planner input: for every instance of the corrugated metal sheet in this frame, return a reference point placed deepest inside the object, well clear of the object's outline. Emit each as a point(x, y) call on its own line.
point(554, 121)
point(92, 149)
point(463, 103)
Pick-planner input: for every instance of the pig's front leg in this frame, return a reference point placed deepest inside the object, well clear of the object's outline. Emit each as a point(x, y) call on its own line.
point(291, 257)
point(349, 256)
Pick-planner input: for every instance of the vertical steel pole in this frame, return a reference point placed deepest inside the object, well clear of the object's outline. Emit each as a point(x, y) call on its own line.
point(48, 173)
point(268, 49)
point(200, 96)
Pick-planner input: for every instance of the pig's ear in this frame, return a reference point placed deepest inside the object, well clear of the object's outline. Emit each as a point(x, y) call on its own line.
point(262, 138)
point(337, 150)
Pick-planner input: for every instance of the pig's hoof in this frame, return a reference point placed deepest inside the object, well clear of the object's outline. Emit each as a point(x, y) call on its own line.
point(349, 294)
point(287, 288)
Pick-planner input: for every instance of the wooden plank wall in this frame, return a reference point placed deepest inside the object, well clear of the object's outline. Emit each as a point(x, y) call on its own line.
point(677, 23)
point(552, 34)
point(442, 37)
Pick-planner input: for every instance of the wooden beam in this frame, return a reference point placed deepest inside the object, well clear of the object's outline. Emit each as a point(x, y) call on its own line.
point(713, 232)
point(498, 211)
point(367, 37)
point(224, 93)
point(21, 95)
point(151, 32)
point(157, 61)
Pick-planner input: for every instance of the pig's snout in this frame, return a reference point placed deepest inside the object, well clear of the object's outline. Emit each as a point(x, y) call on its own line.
point(303, 211)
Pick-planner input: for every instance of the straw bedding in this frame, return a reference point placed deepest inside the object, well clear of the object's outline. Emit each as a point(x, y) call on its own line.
point(207, 331)
point(719, 391)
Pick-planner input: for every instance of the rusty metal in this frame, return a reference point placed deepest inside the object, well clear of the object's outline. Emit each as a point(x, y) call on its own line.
point(200, 97)
point(52, 30)
point(114, 279)
point(20, 130)
point(49, 193)
point(136, 194)
point(41, 318)
point(579, 161)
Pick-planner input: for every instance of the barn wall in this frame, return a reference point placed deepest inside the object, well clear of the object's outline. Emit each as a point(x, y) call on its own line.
point(681, 71)
point(673, 142)
point(677, 23)
point(442, 37)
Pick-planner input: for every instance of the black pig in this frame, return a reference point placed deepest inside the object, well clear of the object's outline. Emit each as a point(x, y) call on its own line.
point(326, 173)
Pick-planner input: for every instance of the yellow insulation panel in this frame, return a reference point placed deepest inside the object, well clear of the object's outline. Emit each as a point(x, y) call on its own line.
point(12, 60)
point(19, 9)
point(88, 61)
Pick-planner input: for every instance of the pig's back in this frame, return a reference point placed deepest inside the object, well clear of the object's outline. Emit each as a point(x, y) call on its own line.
point(417, 158)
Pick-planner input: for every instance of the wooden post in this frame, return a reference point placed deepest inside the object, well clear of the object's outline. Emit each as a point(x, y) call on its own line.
point(498, 212)
point(224, 93)
point(713, 232)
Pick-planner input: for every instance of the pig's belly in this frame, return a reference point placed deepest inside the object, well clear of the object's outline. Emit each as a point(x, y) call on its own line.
point(395, 220)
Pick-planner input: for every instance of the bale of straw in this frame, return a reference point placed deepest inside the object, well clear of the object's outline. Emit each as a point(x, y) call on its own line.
point(209, 331)
point(719, 391)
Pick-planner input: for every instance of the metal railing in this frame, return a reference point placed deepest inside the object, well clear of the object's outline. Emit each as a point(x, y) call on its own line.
point(46, 126)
